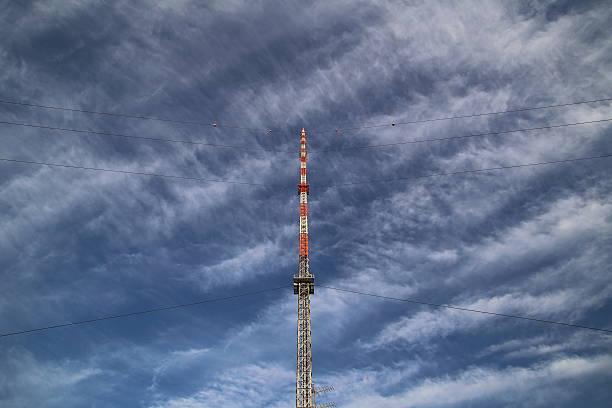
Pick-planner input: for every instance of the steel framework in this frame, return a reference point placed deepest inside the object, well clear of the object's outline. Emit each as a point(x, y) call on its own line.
point(303, 286)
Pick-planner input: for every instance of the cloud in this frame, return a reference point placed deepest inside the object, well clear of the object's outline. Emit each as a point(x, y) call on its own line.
point(543, 346)
point(246, 386)
point(423, 326)
point(26, 379)
point(243, 267)
point(537, 385)
point(572, 223)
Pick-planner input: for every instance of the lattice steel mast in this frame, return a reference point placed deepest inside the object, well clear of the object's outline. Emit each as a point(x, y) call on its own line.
point(303, 286)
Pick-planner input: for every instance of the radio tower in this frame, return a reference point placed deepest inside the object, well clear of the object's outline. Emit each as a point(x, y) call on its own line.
point(303, 286)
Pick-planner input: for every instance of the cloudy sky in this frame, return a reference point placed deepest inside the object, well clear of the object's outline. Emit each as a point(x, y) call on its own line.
point(77, 244)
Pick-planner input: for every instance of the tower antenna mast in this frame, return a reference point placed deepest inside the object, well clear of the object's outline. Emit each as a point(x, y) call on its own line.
point(303, 287)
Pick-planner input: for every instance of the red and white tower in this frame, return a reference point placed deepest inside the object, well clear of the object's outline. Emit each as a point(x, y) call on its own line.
point(303, 286)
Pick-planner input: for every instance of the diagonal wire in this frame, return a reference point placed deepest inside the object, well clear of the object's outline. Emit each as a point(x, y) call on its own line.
point(154, 118)
point(464, 309)
point(142, 312)
point(473, 115)
point(278, 186)
point(125, 115)
point(454, 173)
point(267, 149)
point(139, 173)
point(123, 135)
point(438, 139)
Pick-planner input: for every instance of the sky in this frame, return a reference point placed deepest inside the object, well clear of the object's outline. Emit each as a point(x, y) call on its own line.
point(530, 241)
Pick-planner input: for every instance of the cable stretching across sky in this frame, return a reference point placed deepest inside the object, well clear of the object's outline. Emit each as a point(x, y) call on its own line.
point(124, 135)
point(464, 309)
point(141, 312)
point(270, 149)
point(336, 130)
point(440, 139)
point(459, 172)
point(170, 176)
point(219, 299)
point(136, 173)
point(471, 115)
point(130, 116)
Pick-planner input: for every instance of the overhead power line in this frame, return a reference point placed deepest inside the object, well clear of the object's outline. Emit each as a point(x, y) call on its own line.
point(139, 173)
point(123, 135)
point(464, 309)
point(454, 173)
point(142, 312)
point(231, 297)
point(439, 139)
point(267, 149)
point(154, 118)
point(126, 115)
point(472, 115)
